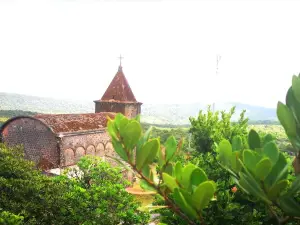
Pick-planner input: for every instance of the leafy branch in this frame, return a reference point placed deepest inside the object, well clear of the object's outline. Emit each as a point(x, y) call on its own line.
point(186, 190)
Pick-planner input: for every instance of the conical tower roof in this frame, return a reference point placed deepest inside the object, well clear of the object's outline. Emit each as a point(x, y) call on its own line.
point(119, 89)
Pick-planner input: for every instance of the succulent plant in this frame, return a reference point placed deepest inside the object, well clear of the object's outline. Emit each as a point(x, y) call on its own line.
point(189, 186)
point(261, 171)
point(289, 116)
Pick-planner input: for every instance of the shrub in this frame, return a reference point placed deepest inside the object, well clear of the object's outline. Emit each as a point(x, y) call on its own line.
point(258, 185)
point(99, 192)
point(25, 191)
point(8, 218)
point(212, 127)
point(262, 172)
point(95, 196)
point(230, 207)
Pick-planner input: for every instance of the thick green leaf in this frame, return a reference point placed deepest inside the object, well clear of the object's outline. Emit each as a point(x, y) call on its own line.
point(187, 196)
point(251, 158)
point(147, 154)
point(178, 171)
point(203, 194)
point(234, 174)
point(181, 202)
point(274, 192)
point(250, 184)
point(268, 138)
point(271, 151)
point(278, 172)
point(286, 118)
point(295, 188)
point(161, 154)
point(235, 163)
point(198, 176)
point(169, 169)
point(171, 147)
point(237, 143)
point(117, 120)
point(119, 149)
point(293, 104)
point(296, 87)
point(289, 205)
point(111, 129)
point(254, 140)
point(186, 175)
point(132, 133)
point(146, 171)
point(263, 168)
point(169, 181)
point(144, 139)
point(138, 118)
point(225, 152)
point(124, 121)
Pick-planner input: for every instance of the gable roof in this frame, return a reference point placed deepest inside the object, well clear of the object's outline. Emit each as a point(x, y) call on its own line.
point(60, 123)
point(119, 89)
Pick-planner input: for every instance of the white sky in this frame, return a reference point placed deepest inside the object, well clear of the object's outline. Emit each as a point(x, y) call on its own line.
point(69, 49)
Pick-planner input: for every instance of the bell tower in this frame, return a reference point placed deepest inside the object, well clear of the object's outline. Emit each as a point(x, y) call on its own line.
point(119, 97)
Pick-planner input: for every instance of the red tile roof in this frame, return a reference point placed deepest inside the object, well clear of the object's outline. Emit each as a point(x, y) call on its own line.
point(119, 89)
point(75, 122)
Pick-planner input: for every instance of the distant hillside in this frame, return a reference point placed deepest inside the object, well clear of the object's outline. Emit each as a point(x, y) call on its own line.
point(151, 113)
point(180, 113)
point(10, 101)
point(13, 113)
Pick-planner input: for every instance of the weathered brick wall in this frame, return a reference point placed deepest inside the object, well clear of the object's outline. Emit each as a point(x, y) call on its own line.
point(40, 144)
point(99, 144)
point(131, 110)
point(109, 107)
point(74, 147)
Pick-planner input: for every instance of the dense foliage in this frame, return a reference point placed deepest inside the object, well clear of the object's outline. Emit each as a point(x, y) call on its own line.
point(8, 218)
point(210, 128)
point(96, 195)
point(268, 196)
point(289, 117)
point(231, 207)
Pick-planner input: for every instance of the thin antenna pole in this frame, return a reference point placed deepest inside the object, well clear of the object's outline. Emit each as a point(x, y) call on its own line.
point(217, 71)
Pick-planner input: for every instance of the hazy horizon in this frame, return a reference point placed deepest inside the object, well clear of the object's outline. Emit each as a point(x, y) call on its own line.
point(69, 49)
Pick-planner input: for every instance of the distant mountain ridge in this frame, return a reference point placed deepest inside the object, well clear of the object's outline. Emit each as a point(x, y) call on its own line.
point(151, 113)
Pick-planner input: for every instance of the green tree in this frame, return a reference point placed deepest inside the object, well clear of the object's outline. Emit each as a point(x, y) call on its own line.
point(210, 128)
point(95, 195)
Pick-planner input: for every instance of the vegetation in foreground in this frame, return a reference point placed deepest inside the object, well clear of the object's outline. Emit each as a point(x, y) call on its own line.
point(254, 165)
point(94, 195)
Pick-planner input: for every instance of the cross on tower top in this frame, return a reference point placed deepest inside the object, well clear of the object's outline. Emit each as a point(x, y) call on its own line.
point(120, 57)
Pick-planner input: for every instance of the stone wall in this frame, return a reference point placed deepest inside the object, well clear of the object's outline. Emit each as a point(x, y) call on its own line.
point(109, 107)
point(131, 110)
point(73, 147)
point(40, 144)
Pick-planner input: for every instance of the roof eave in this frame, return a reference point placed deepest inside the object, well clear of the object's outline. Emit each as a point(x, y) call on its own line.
point(82, 132)
point(118, 102)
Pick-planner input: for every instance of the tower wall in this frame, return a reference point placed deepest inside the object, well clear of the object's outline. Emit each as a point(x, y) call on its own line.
point(132, 110)
point(109, 107)
point(129, 110)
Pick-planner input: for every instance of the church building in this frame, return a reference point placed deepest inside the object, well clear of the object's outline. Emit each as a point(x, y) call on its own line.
point(59, 140)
